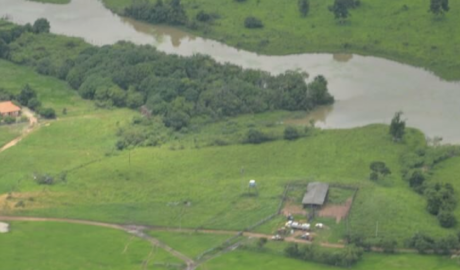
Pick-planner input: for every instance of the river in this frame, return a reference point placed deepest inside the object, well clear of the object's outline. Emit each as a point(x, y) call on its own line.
point(367, 89)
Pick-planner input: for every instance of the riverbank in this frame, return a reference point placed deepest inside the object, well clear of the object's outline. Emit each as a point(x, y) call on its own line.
point(402, 31)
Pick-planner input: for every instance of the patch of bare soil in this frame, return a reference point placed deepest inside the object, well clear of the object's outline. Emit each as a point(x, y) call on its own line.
point(26, 200)
point(291, 208)
point(338, 212)
point(32, 125)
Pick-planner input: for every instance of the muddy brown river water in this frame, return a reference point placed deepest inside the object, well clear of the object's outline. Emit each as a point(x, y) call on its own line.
point(367, 89)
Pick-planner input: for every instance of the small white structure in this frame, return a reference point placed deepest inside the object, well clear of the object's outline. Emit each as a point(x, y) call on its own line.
point(4, 227)
point(319, 225)
point(252, 183)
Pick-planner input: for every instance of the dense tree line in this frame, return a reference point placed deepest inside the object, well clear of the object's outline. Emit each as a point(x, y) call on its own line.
point(157, 13)
point(345, 257)
point(424, 243)
point(440, 197)
point(173, 87)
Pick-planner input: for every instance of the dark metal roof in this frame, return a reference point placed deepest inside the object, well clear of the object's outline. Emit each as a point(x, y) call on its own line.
point(316, 193)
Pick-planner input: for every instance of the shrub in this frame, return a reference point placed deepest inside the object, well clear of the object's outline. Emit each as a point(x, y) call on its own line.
point(291, 133)
point(47, 113)
point(261, 242)
point(34, 104)
point(447, 219)
point(253, 22)
point(203, 16)
point(44, 179)
point(255, 136)
point(9, 120)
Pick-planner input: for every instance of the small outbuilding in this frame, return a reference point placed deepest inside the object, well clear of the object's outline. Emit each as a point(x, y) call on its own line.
point(7, 108)
point(316, 194)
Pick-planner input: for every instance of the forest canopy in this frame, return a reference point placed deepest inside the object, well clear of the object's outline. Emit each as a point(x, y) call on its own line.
point(174, 87)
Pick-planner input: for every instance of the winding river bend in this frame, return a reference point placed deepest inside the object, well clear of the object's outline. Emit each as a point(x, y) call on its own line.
point(367, 89)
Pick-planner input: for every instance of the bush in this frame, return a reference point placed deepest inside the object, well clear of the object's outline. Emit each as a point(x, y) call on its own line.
point(44, 179)
point(253, 22)
point(47, 113)
point(291, 133)
point(388, 245)
point(255, 136)
point(447, 219)
point(261, 242)
point(34, 104)
point(9, 120)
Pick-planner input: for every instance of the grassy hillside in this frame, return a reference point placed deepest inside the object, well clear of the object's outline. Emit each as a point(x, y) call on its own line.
point(71, 246)
point(51, 91)
point(254, 261)
point(151, 185)
point(9, 132)
point(401, 30)
point(190, 244)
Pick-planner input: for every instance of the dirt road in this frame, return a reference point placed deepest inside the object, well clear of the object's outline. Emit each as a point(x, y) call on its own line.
point(33, 121)
point(131, 229)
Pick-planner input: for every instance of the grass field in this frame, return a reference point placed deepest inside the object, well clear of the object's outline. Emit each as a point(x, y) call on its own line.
point(379, 28)
point(9, 132)
point(45, 245)
point(243, 260)
point(190, 244)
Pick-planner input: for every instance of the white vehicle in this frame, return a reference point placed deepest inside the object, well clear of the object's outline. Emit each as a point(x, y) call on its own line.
point(277, 238)
point(319, 225)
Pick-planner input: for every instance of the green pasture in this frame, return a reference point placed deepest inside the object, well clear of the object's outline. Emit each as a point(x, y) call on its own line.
point(9, 132)
point(401, 30)
point(190, 244)
point(53, 245)
point(243, 259)
point(204, 188)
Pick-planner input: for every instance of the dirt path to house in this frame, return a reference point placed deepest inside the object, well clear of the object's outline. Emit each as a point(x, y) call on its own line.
point(33, 123)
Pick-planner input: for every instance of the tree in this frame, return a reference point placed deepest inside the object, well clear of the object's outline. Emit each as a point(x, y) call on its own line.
point(340, 10)
point(378, 168)
point(439, 7)
point(253, 22)
point(48, 113)
point(318, 92)
point(304, 7)
point(41, 26)
point(261, 242)
point(397, 127)
point(26, 94)
point(255, 136)
point(291, 133)
point(34, 104)
point(447, 219)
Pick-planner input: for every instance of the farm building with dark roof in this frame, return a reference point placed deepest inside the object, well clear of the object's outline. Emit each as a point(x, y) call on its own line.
point(316, 194)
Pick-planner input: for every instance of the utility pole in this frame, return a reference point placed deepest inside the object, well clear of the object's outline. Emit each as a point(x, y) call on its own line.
point(242, 179)
point(376, 229)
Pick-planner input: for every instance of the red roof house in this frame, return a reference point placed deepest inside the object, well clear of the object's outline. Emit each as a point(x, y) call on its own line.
point(7, 108)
